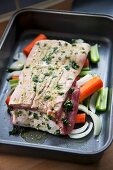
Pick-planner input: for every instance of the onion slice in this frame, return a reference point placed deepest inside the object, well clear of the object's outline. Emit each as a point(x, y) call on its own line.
point(17, 65)
point(92, 102)
point(81, 135)
point(84, 79)
point(20, 57)
point(80, 130)
point(96, 119)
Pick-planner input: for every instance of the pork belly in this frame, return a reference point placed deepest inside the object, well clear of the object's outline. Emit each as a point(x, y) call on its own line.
point(46, 83)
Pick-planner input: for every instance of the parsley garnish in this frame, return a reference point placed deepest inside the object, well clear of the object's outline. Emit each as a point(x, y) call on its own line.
point(48, 127)
point(67, 67)
point(35, 79)
point(48, 74)
point(68, 106)
point(57, 132)
point(35, 116)
point(34, 88)
point(61, 93)
point(65, 121)
point(50, 117)
point(74, 65)
point(47, 97)
point(59, 86)
point(17, 130)
point(71, 90)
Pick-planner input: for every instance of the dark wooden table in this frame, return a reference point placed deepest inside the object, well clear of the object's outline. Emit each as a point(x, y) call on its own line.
point(14, 162)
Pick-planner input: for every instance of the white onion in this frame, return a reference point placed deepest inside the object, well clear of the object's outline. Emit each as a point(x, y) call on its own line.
point(17, 65)
point(96, 119)
point(84, 79)
point(80, 130)
point(93, 102)
point(20, 57)
point(79, 41)
point(81, 135)
point(14, 73)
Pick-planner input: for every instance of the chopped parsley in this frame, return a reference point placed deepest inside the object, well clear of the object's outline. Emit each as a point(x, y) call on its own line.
point(65, 121)
point(67, 67)
point(48, 73)
point(19, 113)
point(66, 43)
point(71, 90)
point(73, 41)
point(61, 93)
point(35, 116)
point(57, 132)
point(54, 49)
point(47, 97)
point(35, 79)
point(59, 58)
point(74, 65)
point(68, 106)
point(27, 66)
point(38, 126)
point(48, 127)
point(60, 43)
point(70, 78)
point(40, 92)
point(17, 130)
point(48, 58)
point(50, 68)
point(50, 117)
point(59, 86)
point(83, 52)
point(54, 76)
point(30, 113)
point(34, 88)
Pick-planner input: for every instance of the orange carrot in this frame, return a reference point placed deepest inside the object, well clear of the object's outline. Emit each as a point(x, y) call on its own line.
point(90, 87)
point(80, 118)
point(28, 48)
point(86, 64)
point(15, 77)
point(7, 100)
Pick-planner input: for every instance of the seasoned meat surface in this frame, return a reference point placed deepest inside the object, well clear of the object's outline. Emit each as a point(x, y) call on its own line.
point(50, 71)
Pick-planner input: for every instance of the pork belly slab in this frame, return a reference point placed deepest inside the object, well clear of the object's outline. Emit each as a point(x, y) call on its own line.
point(47, 97)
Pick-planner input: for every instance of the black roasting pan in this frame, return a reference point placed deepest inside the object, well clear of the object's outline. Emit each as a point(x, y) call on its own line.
point(22, 28)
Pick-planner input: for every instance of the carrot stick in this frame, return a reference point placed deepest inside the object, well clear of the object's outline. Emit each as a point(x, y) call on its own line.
point(80, 118)
point(7, 100)
point(15, 77)
point(90, 87)
point(86, 64)
point(28, 48)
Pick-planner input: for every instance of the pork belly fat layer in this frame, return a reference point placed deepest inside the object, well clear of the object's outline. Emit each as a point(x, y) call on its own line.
point(49, 72)
point(29, 118)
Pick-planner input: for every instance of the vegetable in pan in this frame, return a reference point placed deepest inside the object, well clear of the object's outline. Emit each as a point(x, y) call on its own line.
point(101, 103)
point(28, 48)
point(94, 54)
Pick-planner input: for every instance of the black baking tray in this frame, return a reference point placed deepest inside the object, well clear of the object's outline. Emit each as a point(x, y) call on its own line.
point(22, 28)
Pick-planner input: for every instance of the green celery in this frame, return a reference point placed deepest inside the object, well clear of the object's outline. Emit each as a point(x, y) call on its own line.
point(84, 73)
point(101, 103)
point(13, 81)
point(94, 54)
point(85, 69)
point(13, 85)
